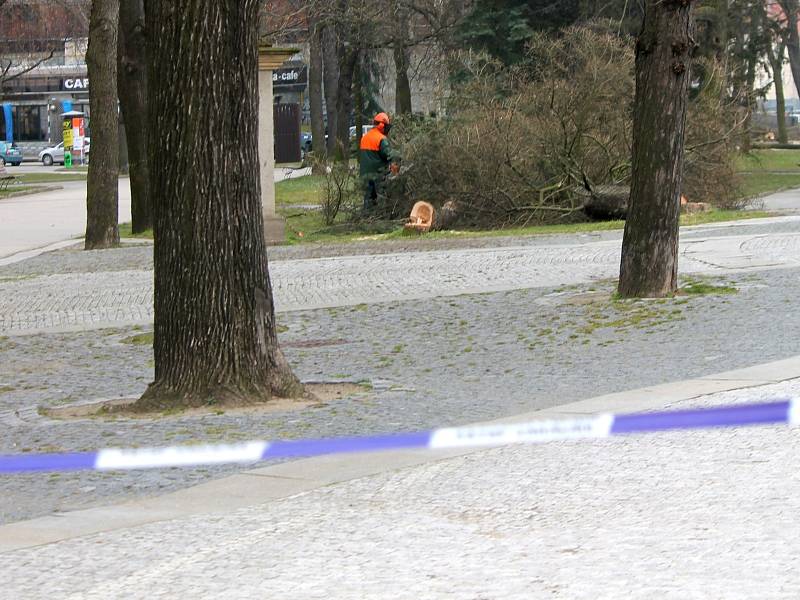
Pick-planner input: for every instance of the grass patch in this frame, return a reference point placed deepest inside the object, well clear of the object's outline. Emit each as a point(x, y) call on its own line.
point(140, 339)
point(721, 216)
point(700, 288)
point(768, 171)
point(299, 190)
point(757, 184)
point(48, 177)
point(308, 226)
point(21, 190)
point(769, 160)
point(125, 232)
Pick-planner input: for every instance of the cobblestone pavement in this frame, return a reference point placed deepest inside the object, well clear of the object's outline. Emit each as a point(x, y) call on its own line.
point(445, 360)
point(93, 298)
point(700, 514)
point(460, 359)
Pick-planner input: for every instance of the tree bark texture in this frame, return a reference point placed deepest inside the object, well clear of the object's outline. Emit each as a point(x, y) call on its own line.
point(102, 193)
point(132, 80)
point(215, 337)
point(122, 145)
point(330, 79)
point(358, 98)
point(401, 61)
point(749, 84)
point(649, 266)
point(348, 56)
point(775, 57)
point(790, 8)
point(315, 99)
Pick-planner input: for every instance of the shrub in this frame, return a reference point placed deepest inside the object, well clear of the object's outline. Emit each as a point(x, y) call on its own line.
point(530, 143)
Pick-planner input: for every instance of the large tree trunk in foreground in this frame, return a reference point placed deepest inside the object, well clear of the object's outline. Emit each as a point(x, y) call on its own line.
point(215, 336)
point(649, 264)
point(102, 192)
point(132, 79)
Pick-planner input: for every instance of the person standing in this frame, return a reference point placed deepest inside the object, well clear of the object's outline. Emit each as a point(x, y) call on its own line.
point(375, 161)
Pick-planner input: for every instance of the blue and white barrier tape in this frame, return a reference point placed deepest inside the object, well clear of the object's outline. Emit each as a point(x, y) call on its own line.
point(600, 426)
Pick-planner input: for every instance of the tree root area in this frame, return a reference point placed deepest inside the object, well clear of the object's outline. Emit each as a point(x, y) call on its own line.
point(316, 395)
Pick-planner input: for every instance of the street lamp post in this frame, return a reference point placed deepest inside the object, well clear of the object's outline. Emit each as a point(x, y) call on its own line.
point(269, 59)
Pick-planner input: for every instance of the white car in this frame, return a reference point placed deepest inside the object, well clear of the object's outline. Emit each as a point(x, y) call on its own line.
point(55, 154)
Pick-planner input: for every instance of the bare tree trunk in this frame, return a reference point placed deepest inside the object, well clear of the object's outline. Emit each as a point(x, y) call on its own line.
point(215, 335)
point(790, 8)
point(348, 55)
point(775, 59)
point(132, 79)
point(649, 264)
point(102, 193)
point(358, 98)
point(315, 92)
point(122, 145)
point(330, 77)
point(401, 62)
point(750, 100)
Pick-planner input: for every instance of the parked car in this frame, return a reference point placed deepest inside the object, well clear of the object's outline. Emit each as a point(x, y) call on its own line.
point(364, 131)
point(305, 142)
point(10, 154)
point(55, 154)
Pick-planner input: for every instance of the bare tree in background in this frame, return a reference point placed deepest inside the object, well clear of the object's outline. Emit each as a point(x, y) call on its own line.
point(132, 82)
point(102, 188)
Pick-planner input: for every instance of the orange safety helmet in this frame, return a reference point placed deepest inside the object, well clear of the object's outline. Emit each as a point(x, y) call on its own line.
point(382, 119)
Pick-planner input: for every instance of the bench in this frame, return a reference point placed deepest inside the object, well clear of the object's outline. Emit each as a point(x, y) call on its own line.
point(5, 178)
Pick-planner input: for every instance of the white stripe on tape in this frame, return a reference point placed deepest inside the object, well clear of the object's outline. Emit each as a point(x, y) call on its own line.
point(179, 456)
point(794, 411)
point(539, 431)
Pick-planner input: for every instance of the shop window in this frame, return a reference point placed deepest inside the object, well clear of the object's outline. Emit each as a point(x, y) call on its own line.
point(30, 123)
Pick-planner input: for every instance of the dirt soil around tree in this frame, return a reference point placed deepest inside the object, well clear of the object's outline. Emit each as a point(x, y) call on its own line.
point(318, 395)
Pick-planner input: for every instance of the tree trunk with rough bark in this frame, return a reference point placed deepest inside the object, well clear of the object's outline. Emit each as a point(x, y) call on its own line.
point(348, 56)
point(750, 81)
point(649, 266)
point(132, 79)
point(330, 79)
point(400, 51)
point(790, 9)
point(315, 94)
point(215, 335)
point(102, 192)
point(775, 58)
point(358, 98)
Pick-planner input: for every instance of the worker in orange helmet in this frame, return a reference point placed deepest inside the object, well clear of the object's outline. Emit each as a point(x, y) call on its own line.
point(376, 159)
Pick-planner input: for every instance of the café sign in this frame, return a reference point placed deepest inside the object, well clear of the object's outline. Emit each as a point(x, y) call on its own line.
point(77, 83)
point(290, 76)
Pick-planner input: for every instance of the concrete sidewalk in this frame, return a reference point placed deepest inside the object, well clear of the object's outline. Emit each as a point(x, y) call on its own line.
point(701, 514)
point(38, 221)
